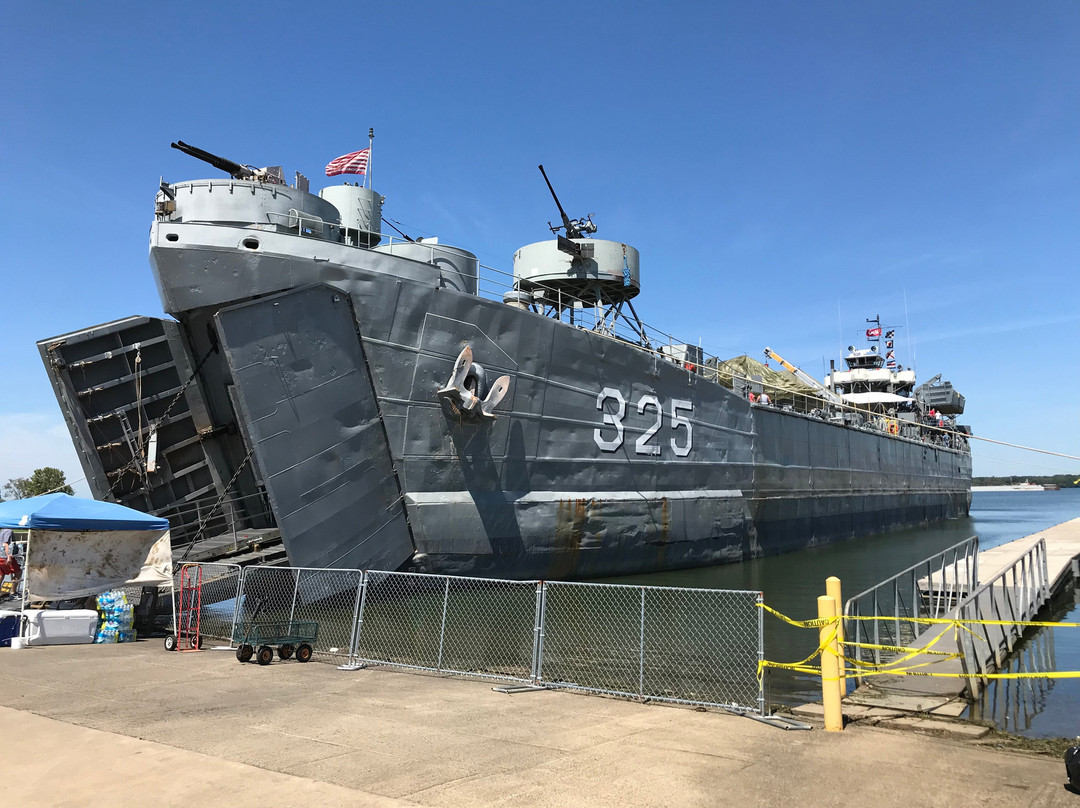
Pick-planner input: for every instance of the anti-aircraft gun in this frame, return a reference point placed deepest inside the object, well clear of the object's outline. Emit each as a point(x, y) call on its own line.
point(575, 228)
point(271, 174)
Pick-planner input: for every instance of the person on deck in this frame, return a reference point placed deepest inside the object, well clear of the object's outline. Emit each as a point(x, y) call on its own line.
point(764, 399)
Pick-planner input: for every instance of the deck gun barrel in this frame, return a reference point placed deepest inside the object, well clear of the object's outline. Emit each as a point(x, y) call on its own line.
point(575, 228)
point(234, 170)
point(565, 219)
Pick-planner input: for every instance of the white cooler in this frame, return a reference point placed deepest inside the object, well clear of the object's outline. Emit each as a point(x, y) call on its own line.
point(60, 627)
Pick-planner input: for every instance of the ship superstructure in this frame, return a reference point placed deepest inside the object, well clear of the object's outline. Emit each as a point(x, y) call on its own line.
point(358, 394)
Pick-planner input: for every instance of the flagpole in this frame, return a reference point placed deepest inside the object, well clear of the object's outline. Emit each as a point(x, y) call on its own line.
point(370, 142)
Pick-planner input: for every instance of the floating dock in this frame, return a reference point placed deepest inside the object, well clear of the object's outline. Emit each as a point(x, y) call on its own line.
point(1026, 574)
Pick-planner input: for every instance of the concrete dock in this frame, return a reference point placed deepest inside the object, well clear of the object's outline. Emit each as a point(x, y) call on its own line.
point(1062, 546)
point(131, 724)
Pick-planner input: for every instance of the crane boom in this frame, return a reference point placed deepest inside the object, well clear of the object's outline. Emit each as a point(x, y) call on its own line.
point(804, 377)
point(929, 383)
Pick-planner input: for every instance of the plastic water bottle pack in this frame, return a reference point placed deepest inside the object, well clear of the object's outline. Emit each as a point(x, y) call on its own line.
point(115, 616)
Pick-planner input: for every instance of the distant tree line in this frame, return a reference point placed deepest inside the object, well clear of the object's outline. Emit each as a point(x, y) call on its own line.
point(43, 481)
point(1064, 480)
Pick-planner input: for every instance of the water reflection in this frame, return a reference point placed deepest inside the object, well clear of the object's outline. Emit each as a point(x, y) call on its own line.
point(1014, 704)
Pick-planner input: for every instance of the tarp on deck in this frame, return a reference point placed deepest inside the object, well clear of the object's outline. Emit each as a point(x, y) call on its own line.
point(779, 384)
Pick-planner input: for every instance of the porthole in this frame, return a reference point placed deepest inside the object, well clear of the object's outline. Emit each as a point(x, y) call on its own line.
point(251, 243)
point(172, 237)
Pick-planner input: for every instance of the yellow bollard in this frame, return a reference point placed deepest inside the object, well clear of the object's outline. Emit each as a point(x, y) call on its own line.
point(832, 589)
point(830, 667)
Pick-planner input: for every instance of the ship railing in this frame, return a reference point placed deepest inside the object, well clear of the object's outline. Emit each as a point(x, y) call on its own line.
point(237, 513)
point(931, 588)
point(682, 645)
point(1014, 595)
point(304, 224)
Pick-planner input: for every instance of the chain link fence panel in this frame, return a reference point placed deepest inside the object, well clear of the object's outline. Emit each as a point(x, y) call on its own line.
point(471, 626)
point(694, 646)
point(219, 594)
point(592, 637)
point(286, 595)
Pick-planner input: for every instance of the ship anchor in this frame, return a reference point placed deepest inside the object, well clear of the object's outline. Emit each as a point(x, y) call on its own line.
point(465, 387)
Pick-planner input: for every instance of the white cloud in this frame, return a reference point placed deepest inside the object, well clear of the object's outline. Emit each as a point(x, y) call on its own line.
point(32, 440)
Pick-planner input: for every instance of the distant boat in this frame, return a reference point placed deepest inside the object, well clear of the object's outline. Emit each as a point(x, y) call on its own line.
point(1024, 486)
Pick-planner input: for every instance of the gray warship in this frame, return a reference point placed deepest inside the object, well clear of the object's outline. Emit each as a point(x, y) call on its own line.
point(368, 399)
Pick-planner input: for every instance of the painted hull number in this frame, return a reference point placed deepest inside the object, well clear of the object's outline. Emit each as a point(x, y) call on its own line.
point(610, 436)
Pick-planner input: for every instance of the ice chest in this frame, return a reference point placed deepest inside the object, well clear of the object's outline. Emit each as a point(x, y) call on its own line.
point(9, 627)
point(60, 626)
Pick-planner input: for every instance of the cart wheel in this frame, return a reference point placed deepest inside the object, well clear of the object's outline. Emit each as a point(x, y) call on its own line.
point(244, 652)
point(265, 655)
point(285, 651)
point(194, 642)
point(170, 642)
point(198, 641)
point(303, 653)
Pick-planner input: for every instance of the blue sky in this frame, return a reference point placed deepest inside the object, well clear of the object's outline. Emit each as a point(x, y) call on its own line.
point(787, 169)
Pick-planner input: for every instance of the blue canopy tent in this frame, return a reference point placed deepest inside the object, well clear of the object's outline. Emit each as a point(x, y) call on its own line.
point(65, 512)
point(80, 547)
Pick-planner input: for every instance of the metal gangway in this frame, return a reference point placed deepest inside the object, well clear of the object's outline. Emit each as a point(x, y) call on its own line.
point(982, 617)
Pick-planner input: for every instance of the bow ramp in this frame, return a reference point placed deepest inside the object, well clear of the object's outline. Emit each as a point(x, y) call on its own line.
point(304, 392)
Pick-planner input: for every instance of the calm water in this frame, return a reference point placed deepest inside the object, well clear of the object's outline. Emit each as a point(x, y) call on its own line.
point(792, 583)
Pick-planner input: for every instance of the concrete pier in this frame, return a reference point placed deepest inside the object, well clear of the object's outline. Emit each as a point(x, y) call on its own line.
point(131, 724)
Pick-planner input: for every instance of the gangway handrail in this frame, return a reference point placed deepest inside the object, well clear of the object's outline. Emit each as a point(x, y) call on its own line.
point(913, 567)
point(989, 639)
point(929, 576)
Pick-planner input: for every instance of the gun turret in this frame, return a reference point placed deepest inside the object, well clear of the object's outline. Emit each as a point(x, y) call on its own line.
point(575, 228)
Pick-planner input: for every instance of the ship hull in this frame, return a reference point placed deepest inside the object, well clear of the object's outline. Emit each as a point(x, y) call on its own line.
point(603, 459)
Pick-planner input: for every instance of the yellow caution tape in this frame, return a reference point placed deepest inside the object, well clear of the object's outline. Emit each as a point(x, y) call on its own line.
point(818, 622)
point(895, 667)
point(899, 649)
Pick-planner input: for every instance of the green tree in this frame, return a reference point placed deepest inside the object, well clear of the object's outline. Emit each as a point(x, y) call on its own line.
point(43, 481)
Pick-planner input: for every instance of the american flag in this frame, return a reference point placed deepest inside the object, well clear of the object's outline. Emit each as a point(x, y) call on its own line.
point(354, 163)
